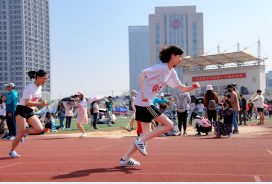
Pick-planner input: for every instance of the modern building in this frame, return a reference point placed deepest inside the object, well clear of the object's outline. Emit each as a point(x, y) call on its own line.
point(268, 77)
point(138, 53)
point(24, 43)
point(176, 25)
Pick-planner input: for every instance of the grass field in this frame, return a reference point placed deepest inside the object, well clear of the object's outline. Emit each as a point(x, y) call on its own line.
point(87, 127)
point(116, 126)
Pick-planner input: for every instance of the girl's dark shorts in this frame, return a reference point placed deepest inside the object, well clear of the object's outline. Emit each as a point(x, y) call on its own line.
point(146, 114)
point(24, 111)
point(259, 109)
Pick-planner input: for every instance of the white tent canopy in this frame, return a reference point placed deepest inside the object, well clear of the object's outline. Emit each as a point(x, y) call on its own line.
point(218, 59)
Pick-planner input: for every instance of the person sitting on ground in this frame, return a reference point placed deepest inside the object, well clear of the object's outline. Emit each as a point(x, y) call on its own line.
point(198, 124)
point(224, 129)
point(170, 115)
point(101, 118)
point(50, 122)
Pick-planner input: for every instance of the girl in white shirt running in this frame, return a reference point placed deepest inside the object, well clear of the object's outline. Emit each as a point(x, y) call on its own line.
point(157, 77)
point(26, 106)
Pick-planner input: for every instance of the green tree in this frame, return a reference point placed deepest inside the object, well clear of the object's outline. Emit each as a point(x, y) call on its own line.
point(126, 93)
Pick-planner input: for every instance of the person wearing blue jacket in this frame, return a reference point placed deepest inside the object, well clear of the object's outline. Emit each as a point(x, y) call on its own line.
point(159, 101)
point(11, 104)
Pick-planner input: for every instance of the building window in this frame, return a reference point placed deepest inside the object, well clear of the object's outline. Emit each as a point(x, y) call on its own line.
point(187, 50)
point(165, 31)
point(174, 32)
point(269, 83)
point(157, 42)
point(194, 40)
point(170, 29)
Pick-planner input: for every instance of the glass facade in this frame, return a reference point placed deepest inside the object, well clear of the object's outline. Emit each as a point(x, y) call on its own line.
point(194, 40)
point(157, 42)
point(24, 42)
point(174, 32)
point(269, 83)
point(138, 53)
point(181, 32)
point(170, 29)
point(187, 50)
point(165, 32)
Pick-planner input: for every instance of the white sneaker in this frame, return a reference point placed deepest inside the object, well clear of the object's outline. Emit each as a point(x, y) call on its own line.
point(230, 135)
point(130, 162)
point(83, 135)
point(141, 145)
point(216, 136)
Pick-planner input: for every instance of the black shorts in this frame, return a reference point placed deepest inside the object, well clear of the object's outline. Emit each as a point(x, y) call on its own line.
point(259, 109)
point(146, 114)
point(24, 111)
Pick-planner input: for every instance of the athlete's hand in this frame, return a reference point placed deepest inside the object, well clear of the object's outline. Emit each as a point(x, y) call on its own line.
point(144, 97)
point(195, 85)
point(44, 102)
point(36, 109)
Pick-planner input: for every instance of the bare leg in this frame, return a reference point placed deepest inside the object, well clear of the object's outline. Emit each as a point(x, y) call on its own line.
point(166, 126)
point(36, 125)
point(146, 128)
point(153, 125)
point(20, 122)
point(80, 127)
point(148, 134)
point(262, 117)
point(131, 123)
point(92, 124)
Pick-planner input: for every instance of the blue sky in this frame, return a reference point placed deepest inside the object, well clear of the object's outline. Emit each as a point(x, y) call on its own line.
point(89, 39)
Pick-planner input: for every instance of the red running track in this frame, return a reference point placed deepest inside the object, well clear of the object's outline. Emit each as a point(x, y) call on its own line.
point(170, 159)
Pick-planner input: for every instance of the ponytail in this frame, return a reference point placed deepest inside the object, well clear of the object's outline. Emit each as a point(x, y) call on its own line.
point(34, 74)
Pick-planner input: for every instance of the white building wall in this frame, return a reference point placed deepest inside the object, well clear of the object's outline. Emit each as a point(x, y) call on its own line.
point(255, 78)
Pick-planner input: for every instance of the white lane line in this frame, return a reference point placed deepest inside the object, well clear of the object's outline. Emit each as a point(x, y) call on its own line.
point(257, 179)
point(270, 152)
point(10, 165)
point(150, 162)
point(186, 154)
point(121, 172)
point(103, 147)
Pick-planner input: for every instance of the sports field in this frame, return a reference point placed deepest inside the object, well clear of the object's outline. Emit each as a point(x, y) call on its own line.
point(116, 126)
point(55, 157)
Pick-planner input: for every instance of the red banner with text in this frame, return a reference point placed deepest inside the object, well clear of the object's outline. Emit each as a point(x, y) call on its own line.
point(219, 77)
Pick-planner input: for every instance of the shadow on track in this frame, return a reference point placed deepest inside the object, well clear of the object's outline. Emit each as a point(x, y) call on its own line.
point(87, 172)
point(7, 158)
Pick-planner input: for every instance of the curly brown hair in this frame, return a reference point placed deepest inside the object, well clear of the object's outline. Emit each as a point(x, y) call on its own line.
point(167, 51)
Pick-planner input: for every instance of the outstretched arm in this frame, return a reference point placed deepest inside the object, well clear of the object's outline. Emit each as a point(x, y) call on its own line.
point(184, 89)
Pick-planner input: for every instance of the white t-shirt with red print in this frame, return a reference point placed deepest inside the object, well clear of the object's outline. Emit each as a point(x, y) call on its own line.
point(158, 76)
point(31, 92)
